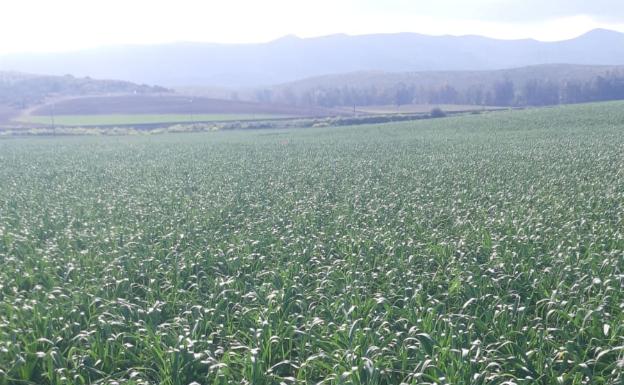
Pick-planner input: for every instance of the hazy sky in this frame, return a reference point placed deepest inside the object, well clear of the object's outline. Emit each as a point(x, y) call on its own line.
point(51, 25)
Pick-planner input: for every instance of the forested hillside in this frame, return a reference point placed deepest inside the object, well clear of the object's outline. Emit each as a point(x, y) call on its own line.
point(527, 86)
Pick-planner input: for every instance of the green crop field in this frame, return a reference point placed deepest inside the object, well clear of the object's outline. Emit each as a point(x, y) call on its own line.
point(483, 249)
point(129, 119)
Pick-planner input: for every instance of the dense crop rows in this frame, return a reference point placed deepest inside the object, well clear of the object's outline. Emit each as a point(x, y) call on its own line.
point(476, 250)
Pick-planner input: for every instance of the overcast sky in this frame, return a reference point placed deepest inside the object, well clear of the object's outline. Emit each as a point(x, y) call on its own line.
point(53, 25)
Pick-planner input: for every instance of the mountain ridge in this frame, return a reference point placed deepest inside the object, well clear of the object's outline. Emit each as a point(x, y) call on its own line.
point(292, 58)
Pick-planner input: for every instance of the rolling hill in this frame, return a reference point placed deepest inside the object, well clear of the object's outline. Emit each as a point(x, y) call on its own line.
point(291, 58)
point(44, 99)
point(22, 90)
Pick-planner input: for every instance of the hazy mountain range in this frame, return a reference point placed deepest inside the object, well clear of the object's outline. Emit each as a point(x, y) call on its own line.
point(291, 58)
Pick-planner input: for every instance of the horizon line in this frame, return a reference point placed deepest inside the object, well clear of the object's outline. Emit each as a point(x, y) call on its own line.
point(294, 36)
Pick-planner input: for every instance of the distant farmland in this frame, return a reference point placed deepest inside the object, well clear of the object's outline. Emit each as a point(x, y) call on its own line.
point(167, 104)
point(127, 110)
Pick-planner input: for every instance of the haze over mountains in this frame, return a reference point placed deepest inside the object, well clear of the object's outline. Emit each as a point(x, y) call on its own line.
point(291, 58)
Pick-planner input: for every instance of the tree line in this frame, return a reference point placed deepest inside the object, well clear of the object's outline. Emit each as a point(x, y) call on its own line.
point(502, 92)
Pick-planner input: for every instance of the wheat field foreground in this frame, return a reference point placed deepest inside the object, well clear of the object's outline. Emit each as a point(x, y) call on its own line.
point(471, 250)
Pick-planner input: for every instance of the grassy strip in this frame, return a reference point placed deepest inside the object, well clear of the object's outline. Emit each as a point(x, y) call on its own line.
point(121, 119)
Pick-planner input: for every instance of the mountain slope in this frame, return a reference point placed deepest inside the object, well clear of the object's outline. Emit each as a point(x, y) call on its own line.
point(292, 58)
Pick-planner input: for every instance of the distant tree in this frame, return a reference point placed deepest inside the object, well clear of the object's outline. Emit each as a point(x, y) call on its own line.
point(609, 87)
point(402, 95)
point(437, 112)
point(504, 93)
point(264, 96)
point(540, 93)
point(474, 95)
point(572, 92)
point(448, 94)
point(307, 98)
point(288, 96)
